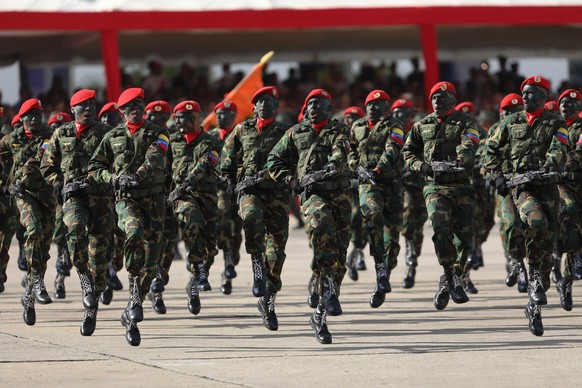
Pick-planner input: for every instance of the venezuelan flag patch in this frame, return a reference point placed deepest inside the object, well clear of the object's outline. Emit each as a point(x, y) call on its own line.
point(163, 141)
point(213, 156)
point(562, 135)
point(397, 135)
point(44, 144)
point(473, 134)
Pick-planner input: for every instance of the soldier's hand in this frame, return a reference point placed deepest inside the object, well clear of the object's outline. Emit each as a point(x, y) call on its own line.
point(545, 168)
point(16, 190)
point(571, 165)
point(58, 192)
point(426, 169)
point(376, 171)
point(501, 185)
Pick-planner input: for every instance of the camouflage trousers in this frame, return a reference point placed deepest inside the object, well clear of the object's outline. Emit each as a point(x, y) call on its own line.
point(358, 235)
point(37, 213)
point(382, 206)
point(197, 215)
point(327, 221)
point(8, 225)
point(569, 238)
point(538, 209)
point(89, 219)
point(451, 212)
point(265, 222)
point(60, 232)
point(484, 213)
point(142, 221)
point(511, 229)
point(229, 228)
point(414, 216)
point(170, 239)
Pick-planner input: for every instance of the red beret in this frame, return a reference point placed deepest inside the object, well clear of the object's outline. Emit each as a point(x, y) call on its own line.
point(551, 106)
point(442, 86)
point(15, 120)
point(466, 107)
point(512, 99)
point(28, 105)
point(82, 95)
point(61, 117)
point(159, 106)
point(377, 95)
point(110, 106)
point(265, 90)
point(226, 104)
point(571, 93)
point(318, 93)
point(354, 110)
point(187, 106)
point(401, 103)
point(128, 95)
point(536, 80)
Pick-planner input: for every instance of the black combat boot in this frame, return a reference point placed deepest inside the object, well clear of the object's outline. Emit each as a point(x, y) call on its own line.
point(535, 288)
point(266, 306)
point(513, 273)
point(361, 264)
point(225, 285)
point(111, 278)
point(134, 307)
point(408, 281)
point(522, 278)
point(3, 279)
point(132, 334)
point(534, 315)
point(456, 290)
point(473, 259)
point(382, 278)
point(157, 286)
point(27, 300)
point(576, 265)
point(557, 266)
point(89, 321)
point(318, 322)
point(88, 290)
point(331, 301)
point(63, 264)
point(202, 278)
point(229, 270)
point(312, 291)
point(468, 285)
point(564, 287)
point(60, 292)
point(411, 256)
point(194, 305)
point(157, 300)
point(106, 296)
point(351, 265)
point(22, 263)
point(259, 286)
point(441, 298)
point(40, 293)
point(378, 297)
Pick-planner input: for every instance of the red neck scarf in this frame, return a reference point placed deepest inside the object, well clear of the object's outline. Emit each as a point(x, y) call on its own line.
point(133, 127)
point(441, 119)
point(371, 124)
point(531, 117)
point(28, 134)
point(319, 126)
point(570, 122)
point(191, 136)
point(263, 123)
point(223, 133)
point(408, 126)
point(80, 128)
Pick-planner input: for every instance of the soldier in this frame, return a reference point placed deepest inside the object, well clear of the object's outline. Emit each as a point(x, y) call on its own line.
point(376, 141)
point(194, 159)
point(34, 198)
point(318, 149)
point(511, 229)
point(158, 112)
point(109, 115)
point(229, 228)
point(414, 214)
point(132, 158)
point(63, 263)
point(263, 203)
point(446, 141)
point(87, 205)
point(538, 140)
point(22, 264)
point(355, 260)
point(570, 189)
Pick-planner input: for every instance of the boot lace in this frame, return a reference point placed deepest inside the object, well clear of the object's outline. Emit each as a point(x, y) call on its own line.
point(381, 270)
point(257, 269)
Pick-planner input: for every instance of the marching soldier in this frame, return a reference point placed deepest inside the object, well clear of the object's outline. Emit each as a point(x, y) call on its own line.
point(132, 157)
point(263, 203)
point(442, 146)
point(539, 143)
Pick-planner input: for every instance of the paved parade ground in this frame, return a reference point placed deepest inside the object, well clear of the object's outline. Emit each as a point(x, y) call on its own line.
point(406, 342)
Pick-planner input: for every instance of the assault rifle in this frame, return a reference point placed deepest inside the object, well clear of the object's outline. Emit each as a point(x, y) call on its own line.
point(248, 182)
point(366, 175)
point(316, 176)
point(444, 167)
point(530, 177)
point(178, 193)
point(74, 185)
point(125, 181)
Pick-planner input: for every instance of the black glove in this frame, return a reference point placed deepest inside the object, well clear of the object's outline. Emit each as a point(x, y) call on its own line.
point(126, 181)
point(501, 185)
point(571, 165)
point(16, 190)
point(58, 192)
point(230, 191)
point(426, 169)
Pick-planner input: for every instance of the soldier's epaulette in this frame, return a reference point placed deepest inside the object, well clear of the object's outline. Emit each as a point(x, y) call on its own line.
point(337, 124)
point(302, 127)
point(151, 129)
point(281, 126)
point(363, 121)
point(118, 131)
point(249, 124)
point(176, 137)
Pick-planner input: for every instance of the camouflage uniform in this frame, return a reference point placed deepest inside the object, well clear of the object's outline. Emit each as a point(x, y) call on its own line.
point(264, 207)
point(381, 204)
point(414, 217)
point(8, 222)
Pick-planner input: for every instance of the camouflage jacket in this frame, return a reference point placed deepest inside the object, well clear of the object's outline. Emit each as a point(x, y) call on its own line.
point(245, 151)
point(531, 147)
point(144, 153)
point(25, 154)
point(330, 151)
point(67, 156)
point(194, 164)
point(575, 151)
point(379, 146)
point(506, 167)
point(429, 140)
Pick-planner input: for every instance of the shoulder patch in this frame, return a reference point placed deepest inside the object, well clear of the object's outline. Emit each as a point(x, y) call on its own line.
point(397, 135)
point(562, 135)
point(213, 156)
point(473, 134)
point(163, 141)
